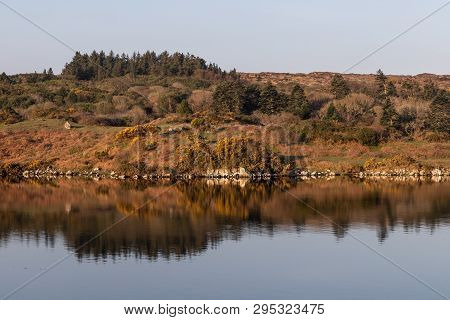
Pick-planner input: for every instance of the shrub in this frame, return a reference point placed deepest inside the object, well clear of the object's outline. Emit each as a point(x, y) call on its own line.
point(197, 122)
point(356, 108)
point(137, 131)
point(332, 113)
point(108, 121)
point(439, 114)
point(8, 116)
point(229, 153)
point(168, 102)
point(137, 116)
point(368, 137)
point(200, 100)
point(246, 119)
point(151, 146)
point(102, 155)
point(184, 108)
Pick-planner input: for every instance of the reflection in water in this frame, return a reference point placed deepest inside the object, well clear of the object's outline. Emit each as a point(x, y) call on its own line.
point(191, 217)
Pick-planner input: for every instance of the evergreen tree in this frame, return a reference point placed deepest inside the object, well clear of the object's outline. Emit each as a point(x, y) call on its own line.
point(229, 97)
point(98, 65)
point(271, 101)
point(389, 117)
point(380, 84)
point(298, 104)
point(252, 96)
point(391, 90)
point(438, 118)
point(332, 113)
point(4, 78)
point(339, 86)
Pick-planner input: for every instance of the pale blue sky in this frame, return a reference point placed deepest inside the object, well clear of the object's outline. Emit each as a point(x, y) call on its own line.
point(252, 35)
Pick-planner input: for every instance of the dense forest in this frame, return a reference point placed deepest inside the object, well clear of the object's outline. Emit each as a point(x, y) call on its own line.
point(99, 65)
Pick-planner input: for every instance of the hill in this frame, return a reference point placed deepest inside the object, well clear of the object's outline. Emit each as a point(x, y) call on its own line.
point(178, 114)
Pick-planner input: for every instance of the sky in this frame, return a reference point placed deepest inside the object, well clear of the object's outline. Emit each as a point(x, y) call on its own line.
point(251, 35)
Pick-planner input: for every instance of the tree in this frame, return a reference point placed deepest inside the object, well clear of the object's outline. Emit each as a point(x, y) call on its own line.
point(4, 78)
point(438, 117)
point(229, 97)
point(271, 101)
point(332, 113)
point(391, 91)
point(380, 80)
point(298, 104)
point(339, 86)
point(252, 96)
point(389, 117)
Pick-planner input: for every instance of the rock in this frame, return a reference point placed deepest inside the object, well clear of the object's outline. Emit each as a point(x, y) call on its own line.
point(243, 173)
point(67, 125)
point(69, 173)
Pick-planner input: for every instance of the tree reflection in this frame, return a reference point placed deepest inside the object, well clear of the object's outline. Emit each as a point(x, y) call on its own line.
point(191, 217)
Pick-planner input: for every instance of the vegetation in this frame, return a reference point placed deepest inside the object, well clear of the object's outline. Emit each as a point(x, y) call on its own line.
point(111, 100)
point(339, 87)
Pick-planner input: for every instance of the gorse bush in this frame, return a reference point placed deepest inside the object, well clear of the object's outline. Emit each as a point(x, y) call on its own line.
point(197, 122)
point(228, 153)
point(137, 131)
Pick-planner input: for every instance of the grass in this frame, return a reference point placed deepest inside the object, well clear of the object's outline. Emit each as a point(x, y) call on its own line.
point(46, 139)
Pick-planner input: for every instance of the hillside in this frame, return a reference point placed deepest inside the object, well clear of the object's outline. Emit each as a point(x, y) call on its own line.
point(178, 114)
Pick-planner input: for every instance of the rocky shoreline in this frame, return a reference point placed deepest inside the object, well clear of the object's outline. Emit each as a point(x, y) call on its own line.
point(98, 173)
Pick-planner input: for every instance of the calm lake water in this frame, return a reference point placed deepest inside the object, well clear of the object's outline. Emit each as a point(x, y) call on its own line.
point(204, 240)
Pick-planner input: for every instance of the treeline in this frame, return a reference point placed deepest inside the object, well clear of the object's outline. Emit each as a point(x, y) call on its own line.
point(240, 97)
point(343, 111)
point(99, 65)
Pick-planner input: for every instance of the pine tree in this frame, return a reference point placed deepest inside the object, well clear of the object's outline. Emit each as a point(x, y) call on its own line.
point(380, 84)
point(389, 117)
point(391, 90)
point(271, 101)
point(332, 113)
point(339, 86)
point(252, 96)
point(229, 97)
point(438, 118)
point(298, 104)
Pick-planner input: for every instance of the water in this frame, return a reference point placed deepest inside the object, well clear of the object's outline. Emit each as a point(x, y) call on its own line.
point(203, 240)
